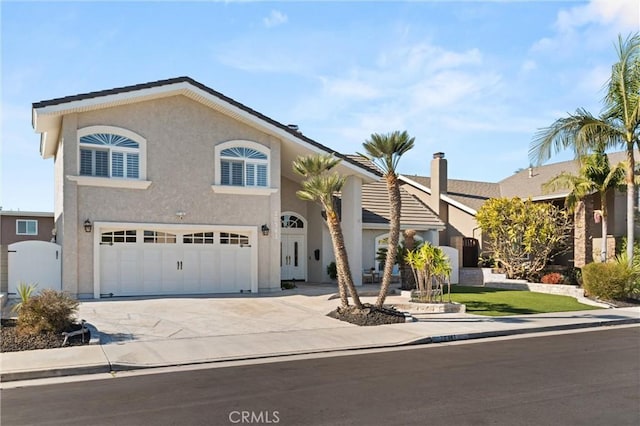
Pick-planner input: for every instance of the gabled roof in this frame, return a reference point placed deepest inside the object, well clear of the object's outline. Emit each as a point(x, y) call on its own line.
point(47, 114)
point(471, 195)
point(413, 214)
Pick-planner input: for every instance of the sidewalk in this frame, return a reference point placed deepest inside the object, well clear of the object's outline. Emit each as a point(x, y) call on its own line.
point(275, 326)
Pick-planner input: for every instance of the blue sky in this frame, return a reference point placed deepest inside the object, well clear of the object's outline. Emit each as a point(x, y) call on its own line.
point(473, 79)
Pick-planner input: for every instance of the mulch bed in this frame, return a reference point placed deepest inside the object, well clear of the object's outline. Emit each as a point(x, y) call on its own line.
point(11, 341)
point(370, 315)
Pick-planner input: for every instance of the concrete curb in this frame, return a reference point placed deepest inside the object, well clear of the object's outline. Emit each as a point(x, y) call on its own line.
point(55, 372)
point(108, 367)
point(503, 333)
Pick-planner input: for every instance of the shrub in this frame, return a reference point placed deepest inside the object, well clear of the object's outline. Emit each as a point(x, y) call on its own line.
point(287, 285)
point(332, 270)
point(49, 311)
point(552, 278)
point(608, 281)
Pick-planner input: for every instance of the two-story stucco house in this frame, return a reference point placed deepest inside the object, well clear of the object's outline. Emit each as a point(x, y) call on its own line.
point(170, 187)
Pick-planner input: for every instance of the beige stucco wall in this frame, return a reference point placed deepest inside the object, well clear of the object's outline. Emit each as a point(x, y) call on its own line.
point(181, 135)
point(462, 224)
point(458, 222)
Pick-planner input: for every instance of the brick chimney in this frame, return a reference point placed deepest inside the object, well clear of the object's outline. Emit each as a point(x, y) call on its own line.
point(438, 182)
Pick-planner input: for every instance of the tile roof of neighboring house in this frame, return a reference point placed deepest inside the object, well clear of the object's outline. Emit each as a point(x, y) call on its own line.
point(375, 208)
point(473, 194)
point(172, 81)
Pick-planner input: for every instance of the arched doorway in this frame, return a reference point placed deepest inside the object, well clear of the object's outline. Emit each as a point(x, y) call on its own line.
point(293, 247)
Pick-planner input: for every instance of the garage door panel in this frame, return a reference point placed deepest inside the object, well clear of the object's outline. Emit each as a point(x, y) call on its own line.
point(130, 279)
point(192, 264)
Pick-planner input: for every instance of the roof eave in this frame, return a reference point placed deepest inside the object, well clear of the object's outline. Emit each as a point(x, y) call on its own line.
point(417, 227)
point(47, 116)
point(443, 197)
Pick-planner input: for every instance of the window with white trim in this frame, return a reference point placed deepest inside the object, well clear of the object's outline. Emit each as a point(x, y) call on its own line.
point(157, 237)
point(198, 238)
point(109, 155)
point(128, 236)
point(243, 166)
point(26, 227)
point(382, 242)
point(231, 238)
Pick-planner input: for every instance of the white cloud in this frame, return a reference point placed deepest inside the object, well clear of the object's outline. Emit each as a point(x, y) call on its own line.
point(593, 24)
point(623, 14)
point(274, 19)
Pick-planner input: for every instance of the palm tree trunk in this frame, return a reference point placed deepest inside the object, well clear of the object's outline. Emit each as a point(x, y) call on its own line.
point(345, 279)
point(630, 200)
point(393, 188)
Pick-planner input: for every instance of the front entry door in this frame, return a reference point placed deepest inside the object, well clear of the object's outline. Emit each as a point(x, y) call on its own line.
point(292, 257)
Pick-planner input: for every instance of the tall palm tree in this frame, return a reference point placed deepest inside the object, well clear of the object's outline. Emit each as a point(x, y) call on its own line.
point(321, 186)
point(595, 176)
point(385, 152)
point(617, 126)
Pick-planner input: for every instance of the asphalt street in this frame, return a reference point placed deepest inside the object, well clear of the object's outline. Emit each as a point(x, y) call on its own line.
point(588, 378)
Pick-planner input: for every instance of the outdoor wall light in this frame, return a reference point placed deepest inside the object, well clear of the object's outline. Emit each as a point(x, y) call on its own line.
point(181, 214)
point(88, 226)
point(265, 230)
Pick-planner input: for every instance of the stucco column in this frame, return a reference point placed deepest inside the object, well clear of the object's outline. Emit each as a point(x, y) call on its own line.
point(71, 223)
point(352, 225)
point(275, 203)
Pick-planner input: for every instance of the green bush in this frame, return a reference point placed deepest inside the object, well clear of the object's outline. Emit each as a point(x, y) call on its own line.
point(608, 281)
point(48, 311)
point(332, 270)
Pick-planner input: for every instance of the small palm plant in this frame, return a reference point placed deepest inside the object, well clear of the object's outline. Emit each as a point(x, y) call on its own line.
point(25, 292)
point(430, 265)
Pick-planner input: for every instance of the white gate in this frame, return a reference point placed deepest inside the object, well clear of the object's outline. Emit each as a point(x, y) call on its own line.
point(452, 254)
point(34, 262)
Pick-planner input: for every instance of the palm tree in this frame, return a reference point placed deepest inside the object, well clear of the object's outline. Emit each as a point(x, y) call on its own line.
point(618, 125)
point(385, 152)
point(320, 186)
point(595, 176)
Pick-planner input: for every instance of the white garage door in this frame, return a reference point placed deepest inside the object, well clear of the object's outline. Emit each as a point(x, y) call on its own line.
point(153, 262)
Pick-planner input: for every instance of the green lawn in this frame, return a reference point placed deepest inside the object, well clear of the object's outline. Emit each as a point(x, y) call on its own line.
point(498, 302)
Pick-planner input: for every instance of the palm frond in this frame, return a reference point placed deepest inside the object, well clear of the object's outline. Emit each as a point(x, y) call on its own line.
point(385, 150)
point(314, 164)
point(623, 95)
point(581, 132)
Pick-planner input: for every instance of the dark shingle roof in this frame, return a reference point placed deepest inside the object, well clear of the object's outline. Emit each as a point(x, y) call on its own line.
point(521, 185)
point(473, 194)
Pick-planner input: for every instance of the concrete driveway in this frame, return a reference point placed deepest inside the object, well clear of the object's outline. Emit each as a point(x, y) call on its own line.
point(126, 319)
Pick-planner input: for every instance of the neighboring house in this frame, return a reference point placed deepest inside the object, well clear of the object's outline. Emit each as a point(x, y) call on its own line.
point(170, 187)
point(17, 226)
point(458, 202)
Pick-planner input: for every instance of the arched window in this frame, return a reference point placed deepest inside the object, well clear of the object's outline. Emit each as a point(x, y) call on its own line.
point(110, 152)
point(382, 242)
point(290, 221)
point(244, 165)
